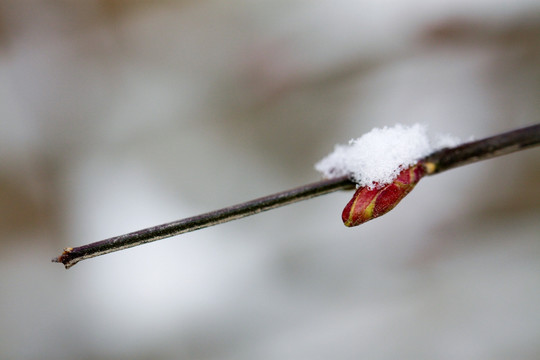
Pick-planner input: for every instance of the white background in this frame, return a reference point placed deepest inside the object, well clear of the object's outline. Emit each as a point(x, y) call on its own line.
point(118, 115)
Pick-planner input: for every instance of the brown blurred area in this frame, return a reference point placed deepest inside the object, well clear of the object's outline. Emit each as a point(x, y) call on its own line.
point(117, 115)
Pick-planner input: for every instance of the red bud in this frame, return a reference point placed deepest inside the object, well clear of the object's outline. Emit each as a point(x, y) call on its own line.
point(368, 204)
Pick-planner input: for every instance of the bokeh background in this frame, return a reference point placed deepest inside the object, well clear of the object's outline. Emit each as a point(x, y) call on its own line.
point(118, 115)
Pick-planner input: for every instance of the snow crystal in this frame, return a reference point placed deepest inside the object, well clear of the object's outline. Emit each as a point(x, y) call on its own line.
point(376, 158)
point(447, 140)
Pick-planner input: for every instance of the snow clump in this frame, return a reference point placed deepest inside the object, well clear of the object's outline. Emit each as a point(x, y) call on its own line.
point(376, 158)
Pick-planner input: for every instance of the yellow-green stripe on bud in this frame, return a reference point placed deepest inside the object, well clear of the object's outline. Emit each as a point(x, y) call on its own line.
point(367, 204)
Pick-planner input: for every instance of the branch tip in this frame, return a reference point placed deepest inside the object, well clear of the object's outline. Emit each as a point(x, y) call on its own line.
point(65, 258)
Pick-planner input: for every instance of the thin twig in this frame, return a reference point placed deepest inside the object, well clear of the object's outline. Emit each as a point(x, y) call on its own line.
point(484, 149)
point(439, 161)
point(71, 256)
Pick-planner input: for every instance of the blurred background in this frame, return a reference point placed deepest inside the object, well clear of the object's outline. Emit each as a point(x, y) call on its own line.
point(118, 115)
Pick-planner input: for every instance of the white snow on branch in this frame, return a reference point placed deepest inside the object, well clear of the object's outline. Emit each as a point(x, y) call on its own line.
point(377, 157)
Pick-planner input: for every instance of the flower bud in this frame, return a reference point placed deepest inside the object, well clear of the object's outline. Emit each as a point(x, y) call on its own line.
point(368, 204)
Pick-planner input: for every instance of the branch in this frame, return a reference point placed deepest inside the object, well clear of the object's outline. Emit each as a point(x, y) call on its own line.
point(502, 144)
point(71, 256)
point(434, 163)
